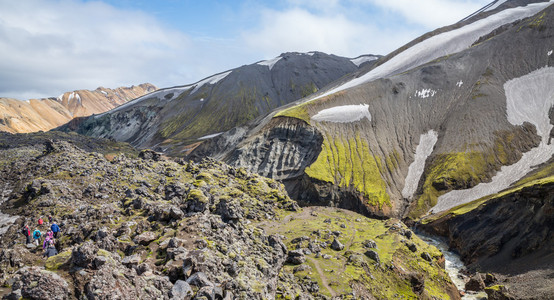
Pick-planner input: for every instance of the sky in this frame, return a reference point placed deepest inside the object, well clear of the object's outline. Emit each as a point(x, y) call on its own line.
point(48, 47)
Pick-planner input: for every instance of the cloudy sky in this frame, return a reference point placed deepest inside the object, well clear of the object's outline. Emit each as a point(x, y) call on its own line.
point(52, 46)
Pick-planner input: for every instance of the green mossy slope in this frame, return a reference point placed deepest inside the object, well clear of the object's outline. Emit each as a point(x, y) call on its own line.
point(347, 271)
point(348, 162)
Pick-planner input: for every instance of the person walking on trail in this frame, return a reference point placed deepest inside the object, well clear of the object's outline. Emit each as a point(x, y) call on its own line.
point(49, 234)
point(36, 236)
point(50, 250)
point(46, 242)
point(55, 229)
point(40, 221)
point(27, 233)
point(49, 219)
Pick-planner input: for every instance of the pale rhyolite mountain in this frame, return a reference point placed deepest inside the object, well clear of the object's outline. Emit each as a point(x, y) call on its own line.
point(18, 116)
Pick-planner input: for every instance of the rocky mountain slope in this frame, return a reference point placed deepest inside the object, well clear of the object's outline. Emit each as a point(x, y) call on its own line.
point(429, 122)
point(148, 227)
point(510, 233)
point(175, 120)
point(458, 124)
point(47, 113)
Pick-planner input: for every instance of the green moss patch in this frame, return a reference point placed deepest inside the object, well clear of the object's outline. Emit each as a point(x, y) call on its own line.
point(55, 262)
point(336, 272)
point(348, 162)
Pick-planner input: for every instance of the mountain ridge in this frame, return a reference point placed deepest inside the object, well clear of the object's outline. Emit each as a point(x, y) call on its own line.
point(47, 113)
point(174, 120)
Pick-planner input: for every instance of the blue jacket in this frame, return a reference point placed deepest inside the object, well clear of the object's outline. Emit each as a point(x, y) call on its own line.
point(37, 234)
point(55, 228)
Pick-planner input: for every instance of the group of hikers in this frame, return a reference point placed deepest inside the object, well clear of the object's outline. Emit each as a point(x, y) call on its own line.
point(49, 243)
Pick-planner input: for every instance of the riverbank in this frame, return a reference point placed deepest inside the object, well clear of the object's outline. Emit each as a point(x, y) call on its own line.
point(453, 266)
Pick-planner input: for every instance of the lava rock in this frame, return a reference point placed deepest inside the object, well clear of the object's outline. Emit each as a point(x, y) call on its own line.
point(132, 260)
point(145, 238)
point(426, 256)
point(373, 255)
point(336, 245)
point(37, 283)
point(498, 292)
point(296, 257)
point(475, 283)
point(411, 246)
point(370, 244)
point(199, 279)
point(148, 154)
point(181, 290)
point(84, 255)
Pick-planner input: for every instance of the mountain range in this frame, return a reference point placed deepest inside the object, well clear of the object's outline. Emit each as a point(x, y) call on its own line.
point(298, 177)
point(175, 120)
point(47, 113)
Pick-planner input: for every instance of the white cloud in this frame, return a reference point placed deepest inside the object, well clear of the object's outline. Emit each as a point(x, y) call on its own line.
point(51, 47)
point(431, 13)
point(297, 29)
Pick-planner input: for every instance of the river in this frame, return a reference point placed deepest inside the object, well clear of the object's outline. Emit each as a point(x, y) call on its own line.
point(453, 265)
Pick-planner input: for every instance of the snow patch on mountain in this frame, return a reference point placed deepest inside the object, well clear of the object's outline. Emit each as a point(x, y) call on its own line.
point(549, 52)
point(159, 94)
point(209, 136)
point(425, 147)
point(362, 59)
point(442, 44)
point(271, 62)
point(74, 95)
point(528, 99)
point(343, 114)
point(211, 80)
point(425, 93)
point(459, 83)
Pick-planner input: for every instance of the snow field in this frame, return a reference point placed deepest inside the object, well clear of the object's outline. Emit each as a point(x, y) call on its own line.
point(443, 44)
point(528, 99)
point(343, 114)
point(425, 147)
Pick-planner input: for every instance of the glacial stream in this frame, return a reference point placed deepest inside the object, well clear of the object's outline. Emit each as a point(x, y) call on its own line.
point(453, 265)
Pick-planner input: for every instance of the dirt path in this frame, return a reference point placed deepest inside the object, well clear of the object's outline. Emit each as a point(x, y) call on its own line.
point(270, 224)
point(323, 277)
point(347, 247)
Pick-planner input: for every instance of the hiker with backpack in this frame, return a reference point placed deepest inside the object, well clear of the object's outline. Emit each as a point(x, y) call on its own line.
point(40, 221)
point(47, 240)
point(27, 233)
point(36, 236)
point(50, 249)
point(55, 229)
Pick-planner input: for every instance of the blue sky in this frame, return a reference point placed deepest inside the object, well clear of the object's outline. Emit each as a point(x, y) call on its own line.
point(52, 46)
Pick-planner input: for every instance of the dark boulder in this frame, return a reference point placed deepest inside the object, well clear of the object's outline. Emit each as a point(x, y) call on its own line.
point(498, 292)
point(373, 255)
point(181, 290)
point(296, 257)
point(37, 283)
point(83, 256)
point(475, 283)
point(337, 245)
